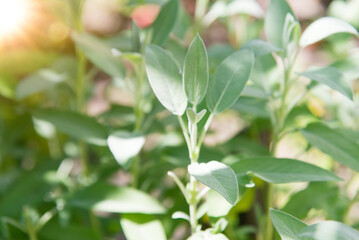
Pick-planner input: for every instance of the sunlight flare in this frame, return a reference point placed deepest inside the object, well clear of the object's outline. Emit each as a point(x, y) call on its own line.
point(13, 15)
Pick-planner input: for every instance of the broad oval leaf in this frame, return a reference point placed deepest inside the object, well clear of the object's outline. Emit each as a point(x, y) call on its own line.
point(286, 225)
point(164, 22)
point(75, 124)
point(260, 47)
point(165, 79)
point(228, 80)
point(331, 77)
point(195, 71)
point(334, 143)
point(125, 145)
point(217, 176)
point(329, 230)
point(144, 227)
point(105, 197)
point(40, 81)
point(99, 54)
point(323, 28)
point(282, 170)
point(274, 21)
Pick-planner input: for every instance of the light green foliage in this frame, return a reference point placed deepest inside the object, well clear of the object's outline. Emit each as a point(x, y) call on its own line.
point(331, 77)
point(280, 170)
point(217, 176)
point(287, 226)
point(165, 79)
point(334, 143)
point(195, 71)
point(228, 80)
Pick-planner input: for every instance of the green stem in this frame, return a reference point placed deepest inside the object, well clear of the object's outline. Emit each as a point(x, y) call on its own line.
point(193, 204)
point(351, 204)
point(31, 229)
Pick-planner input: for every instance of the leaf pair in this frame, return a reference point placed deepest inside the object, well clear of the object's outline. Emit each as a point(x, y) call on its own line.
point(174, 90)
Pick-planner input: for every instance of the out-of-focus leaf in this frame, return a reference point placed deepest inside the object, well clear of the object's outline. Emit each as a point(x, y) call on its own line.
point(287, 226)
point(260, 47)
point(217, 206)
point(100, 54)
point(144, 227)
point(282, 170)
point(165, 79)
point(75, 124)
point(38, 82)
point(274, 21)
point(54, 231)
point(329, 230)
point(115, 199)
point(334, 143)
point(331, 77)
point(333, 202)
point(217, 176)
point(228, 80)
point(164, 22)
point(125, 145)
point(323, 28)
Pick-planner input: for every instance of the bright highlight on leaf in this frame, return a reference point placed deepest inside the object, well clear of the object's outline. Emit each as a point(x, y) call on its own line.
point(13, 14)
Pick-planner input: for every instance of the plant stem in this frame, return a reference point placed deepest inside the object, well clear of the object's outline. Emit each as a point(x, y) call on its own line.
point(193, 204)
point(347, 211)
point(31, 230)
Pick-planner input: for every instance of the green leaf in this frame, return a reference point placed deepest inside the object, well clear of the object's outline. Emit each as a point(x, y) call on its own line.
point(115, 199)
point(165, 79)
point(334, 143)
point(125, 145)
point(144, 227)
point(331, 77)
point(323, 28)
point(195, 71)
point(99, 54)
point(260, 47)
point(75, 124)
point(282, 170)
point(217, 206)
point(38, 82)
point(73, 231)
point(274, 21)
point(287, 226)
point(329, 230)
point(164, 22)
point(228, 80)
point(194, 117)
point(217, 176)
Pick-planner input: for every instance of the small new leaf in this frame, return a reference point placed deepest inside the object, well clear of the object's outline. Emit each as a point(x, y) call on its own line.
point(195, 71)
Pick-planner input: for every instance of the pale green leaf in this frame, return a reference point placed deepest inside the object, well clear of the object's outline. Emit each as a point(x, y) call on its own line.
point(144, 227)
point(217, 176)
point(75, 124)
point(165, 79)
point(228, 80)
point(114, 199)
point(274, 21)
point(334, 143)
point(282, 170)
point(195, 71)
point(323, 28)
point(260, 47)
point(329, 230)
point(40, 81)
point(99, 54)
point(287, 226)
point(125, 145)
point(331, 77)
point(164, 22)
